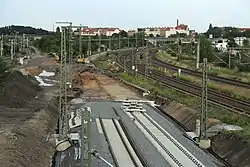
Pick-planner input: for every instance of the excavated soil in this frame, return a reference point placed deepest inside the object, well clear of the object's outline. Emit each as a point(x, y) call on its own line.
point(27, 115)
point(229, 147)
point(18, 90)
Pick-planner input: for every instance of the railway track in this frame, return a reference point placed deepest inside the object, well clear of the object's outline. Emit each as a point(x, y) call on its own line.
point(122, 148)
point(160, 63)
point(171, 150)
point(240, 106)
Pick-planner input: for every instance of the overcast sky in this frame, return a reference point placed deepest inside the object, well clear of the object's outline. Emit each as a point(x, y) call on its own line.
point(126, 13)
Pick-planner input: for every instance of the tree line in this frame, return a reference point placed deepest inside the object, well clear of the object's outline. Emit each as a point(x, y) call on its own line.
point(11, 30)
point(226, 32)
point(52, 43)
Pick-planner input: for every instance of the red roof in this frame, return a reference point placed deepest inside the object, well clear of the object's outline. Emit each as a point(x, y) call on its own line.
point(244, 29)
point(181, 27)
point(97, 29)
point(165, 28)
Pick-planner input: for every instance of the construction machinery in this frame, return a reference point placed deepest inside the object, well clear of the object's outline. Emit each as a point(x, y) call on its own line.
point(82, 60)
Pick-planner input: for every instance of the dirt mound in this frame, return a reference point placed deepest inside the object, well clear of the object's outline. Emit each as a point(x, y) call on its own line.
point(235, 154)
point(18, 90)
point(34, 71)
point(228, 146)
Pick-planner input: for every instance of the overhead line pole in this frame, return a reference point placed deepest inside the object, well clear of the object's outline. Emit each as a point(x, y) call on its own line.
point(198, 55)
point(80, 42)
point(1, 47)
point(203, 114)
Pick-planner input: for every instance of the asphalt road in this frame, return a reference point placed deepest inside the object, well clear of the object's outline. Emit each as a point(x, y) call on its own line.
point(152, 156)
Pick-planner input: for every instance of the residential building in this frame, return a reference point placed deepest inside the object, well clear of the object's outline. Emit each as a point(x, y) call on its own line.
point(131, 32)
point(239, 40)
point(244, 29)
point(152, 31)
point(165, 31)
point(181, 29)
point(100, 31)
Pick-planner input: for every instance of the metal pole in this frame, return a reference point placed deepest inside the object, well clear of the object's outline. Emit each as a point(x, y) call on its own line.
point(70, 54)
point(203, 114)
point(89, 45)
point(229, 58)
point(110, 43)
point(1, 47)
point(85, 137)
point(80, 42)
point(63, 86)
point(12, 49)
point(128, 41)
point(136, 40)
point(119, 41)
point(15, 44)
point(124, 63)
point(99, 43)
point(198, 55)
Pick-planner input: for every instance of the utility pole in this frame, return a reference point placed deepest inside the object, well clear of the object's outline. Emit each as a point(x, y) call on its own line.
point(80, 42)
point(99, 49)
point(119, 41)
point(1, 47)
point(229, 58)
point(142, 39)
point(89, 45)
point(110, 43)
point(124, 63)
point(128, 41)
point(198, 55)
point(136, 40)
point(203, 114)
point(12, 49)
point(63, 86)
point(15, 42)
point(70, 67)
point(85, 137)
point(23, 42)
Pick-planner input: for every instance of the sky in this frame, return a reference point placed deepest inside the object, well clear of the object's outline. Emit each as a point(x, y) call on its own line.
point(126, 14)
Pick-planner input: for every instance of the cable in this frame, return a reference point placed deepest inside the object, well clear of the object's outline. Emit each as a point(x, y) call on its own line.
point(96, 154)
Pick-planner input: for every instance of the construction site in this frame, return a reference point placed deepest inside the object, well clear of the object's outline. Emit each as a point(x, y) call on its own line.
point(62, 110)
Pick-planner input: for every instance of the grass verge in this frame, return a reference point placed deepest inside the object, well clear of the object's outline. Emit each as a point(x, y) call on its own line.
point(214, 71)
point(234, 91)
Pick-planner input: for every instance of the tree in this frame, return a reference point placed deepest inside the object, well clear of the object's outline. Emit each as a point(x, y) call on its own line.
point(57, 29)
point(231, 42)
point(151, 35)
point(123, 33)
point(246, 42)
point(158, 35)
point(210, 27)
point(206, 49)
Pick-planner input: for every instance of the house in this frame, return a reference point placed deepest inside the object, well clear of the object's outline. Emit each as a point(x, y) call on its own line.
point(239, 40)
point(165, 31)
point(131, 32)
point(181, 29)
point(100, 31)
point(244, 29)
point(152, 31)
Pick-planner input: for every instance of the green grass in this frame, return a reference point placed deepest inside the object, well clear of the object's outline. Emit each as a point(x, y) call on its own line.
point(237, 92)
point(185, 62)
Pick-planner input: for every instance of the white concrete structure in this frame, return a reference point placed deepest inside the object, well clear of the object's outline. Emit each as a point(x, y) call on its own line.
point(100, 31)
point(239, 40)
